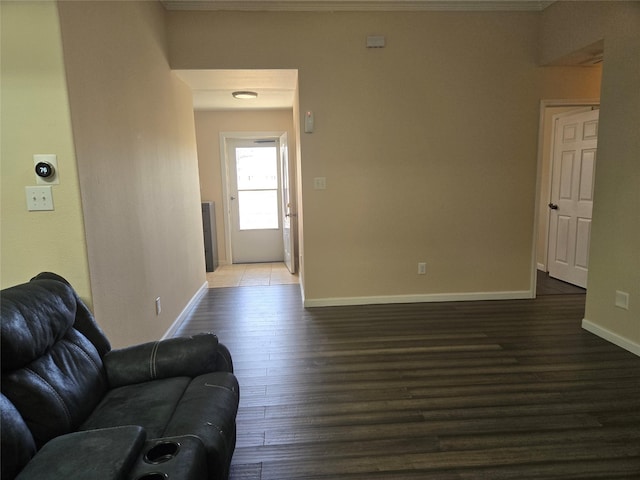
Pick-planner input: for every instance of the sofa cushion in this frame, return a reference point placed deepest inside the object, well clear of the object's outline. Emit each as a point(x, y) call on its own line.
point(56, 392)
point(18, 445)
point(34, 317)
point(149, 405)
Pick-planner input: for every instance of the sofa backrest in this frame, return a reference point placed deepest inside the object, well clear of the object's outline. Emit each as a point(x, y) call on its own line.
point(84, 322)
point(51, 372)
point(18, 446)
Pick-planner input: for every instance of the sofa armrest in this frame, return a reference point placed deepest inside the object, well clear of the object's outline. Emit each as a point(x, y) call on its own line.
point(107, 454)
point(181, 458)
point(181, 356)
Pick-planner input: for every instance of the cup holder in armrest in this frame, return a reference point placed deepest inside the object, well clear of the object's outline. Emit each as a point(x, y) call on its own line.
point(171, 458)
point(160, 453)
point(153, 476)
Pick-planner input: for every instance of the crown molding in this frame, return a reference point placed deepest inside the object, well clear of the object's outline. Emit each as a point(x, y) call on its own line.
point(358, 5)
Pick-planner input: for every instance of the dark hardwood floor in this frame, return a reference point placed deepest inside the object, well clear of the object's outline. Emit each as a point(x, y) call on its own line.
point(448, 391)
point(546, 285)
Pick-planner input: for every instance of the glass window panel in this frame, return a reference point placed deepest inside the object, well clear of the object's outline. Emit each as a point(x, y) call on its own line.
point(257, 168)
point(258, 209)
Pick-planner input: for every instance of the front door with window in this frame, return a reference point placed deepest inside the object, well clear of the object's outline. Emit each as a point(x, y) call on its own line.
point(255, 193)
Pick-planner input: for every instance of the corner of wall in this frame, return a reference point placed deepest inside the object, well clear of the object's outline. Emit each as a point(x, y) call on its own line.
point(36, 119)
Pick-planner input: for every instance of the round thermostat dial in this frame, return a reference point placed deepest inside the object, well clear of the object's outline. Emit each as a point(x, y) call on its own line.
point(45, 169)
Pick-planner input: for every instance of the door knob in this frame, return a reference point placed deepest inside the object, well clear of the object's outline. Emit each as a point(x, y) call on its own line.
point(291, 215)
point(553, 206)
point(232, 197)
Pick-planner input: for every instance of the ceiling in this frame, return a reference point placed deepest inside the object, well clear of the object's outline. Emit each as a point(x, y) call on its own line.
point(212, 89)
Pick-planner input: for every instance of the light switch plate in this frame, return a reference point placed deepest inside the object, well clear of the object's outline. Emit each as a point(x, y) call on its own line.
point(39, 198)
point(320, 183)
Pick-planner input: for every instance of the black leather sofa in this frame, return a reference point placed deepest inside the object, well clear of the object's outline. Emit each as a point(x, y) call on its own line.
point(74, 408)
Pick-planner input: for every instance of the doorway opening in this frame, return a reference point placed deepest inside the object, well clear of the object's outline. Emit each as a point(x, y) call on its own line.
point(550, 113)
point(276, 107)
point(257, 207)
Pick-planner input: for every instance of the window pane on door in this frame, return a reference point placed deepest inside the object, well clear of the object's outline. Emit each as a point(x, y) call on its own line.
point(257, 168)
point(258, 209)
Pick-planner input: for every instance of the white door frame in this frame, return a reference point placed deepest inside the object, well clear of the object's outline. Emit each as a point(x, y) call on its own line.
point(544, 104)
point(226, 204)
point(288, 207)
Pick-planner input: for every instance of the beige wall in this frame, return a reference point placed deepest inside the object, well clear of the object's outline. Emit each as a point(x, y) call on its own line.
point(209, 125)
point(35, 119)
point(570, 82)
point(135, 143)
point(428, 145)
point(569, 27)
point(614, 261)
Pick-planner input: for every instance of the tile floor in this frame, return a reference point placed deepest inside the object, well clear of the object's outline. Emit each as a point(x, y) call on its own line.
point(250, 274)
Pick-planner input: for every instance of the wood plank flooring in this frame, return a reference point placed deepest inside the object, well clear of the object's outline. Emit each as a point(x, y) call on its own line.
point(546, 285)
point(447, 391)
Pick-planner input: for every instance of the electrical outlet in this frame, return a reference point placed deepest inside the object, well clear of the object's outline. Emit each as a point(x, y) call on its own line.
point(39, 198)
point(422, 268)
point(158, 306)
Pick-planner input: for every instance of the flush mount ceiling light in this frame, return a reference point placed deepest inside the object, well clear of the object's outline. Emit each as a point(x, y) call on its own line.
point(244, 95)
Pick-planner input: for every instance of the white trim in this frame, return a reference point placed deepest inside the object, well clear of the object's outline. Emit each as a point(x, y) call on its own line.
point(225, 195)
point(359, 5)
point(418, 298)
point(611, 337)
point(542, 267)
point(186, 311)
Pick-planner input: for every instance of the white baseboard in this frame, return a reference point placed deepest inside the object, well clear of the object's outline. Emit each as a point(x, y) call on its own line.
point(186, 311)
point(542, 267)
point(611, 337)
point(420, 298)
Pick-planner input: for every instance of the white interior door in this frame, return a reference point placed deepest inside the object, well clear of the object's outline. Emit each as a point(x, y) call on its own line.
point(573, 173)
point(255, 195)
point(288, 213)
